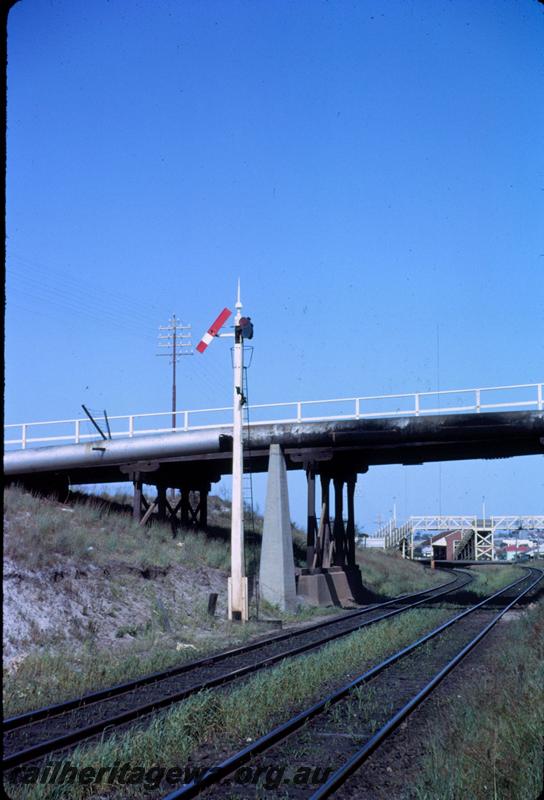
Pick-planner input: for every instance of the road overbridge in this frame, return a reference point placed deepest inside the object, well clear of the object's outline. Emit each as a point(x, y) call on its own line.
point(332, 452)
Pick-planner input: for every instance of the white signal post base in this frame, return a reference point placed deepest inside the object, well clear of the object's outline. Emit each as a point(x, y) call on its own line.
point(238, 611)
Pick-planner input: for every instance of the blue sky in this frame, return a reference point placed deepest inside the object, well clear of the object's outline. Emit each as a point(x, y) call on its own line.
point(372, 171)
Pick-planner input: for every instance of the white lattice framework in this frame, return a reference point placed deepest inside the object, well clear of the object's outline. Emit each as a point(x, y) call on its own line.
point(478, 542)
point(461, 523)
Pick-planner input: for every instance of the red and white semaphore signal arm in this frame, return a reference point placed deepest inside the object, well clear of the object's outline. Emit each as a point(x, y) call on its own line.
point(213, 330)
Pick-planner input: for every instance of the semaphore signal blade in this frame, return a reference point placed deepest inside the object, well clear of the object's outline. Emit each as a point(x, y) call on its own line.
point(213, 330)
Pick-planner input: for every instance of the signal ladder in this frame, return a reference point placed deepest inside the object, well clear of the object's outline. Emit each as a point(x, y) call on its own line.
point(247, 486)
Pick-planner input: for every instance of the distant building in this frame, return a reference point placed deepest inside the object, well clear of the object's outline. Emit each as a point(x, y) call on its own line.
point(443, 545)
point(520, 542)
point(511, 551)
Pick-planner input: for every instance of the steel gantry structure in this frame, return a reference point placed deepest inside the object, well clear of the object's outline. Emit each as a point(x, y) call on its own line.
point(476, 542)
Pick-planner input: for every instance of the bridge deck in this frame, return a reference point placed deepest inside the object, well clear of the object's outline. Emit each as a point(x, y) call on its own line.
point(337, 446)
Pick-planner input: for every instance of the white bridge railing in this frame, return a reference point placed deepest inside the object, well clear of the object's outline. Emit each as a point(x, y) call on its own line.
point(451, 401)
point(452, 523)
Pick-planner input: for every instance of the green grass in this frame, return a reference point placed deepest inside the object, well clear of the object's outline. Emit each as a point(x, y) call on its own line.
point(41, 533)
point(497, 730)
point(52, 675)
point(248, 710)
point(491, 579)
point(388, 574)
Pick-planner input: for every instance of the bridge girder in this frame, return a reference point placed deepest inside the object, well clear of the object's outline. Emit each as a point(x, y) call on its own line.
point(352, 445)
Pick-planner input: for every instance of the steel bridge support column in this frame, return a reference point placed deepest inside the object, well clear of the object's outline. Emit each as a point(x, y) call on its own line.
point(161, 503)
point(350, 527)
point(311, 533)
point(344, 533)
point(185, 505)
point(332, 576)
point(324, 545)
point(194, 512)
point(137, 499)
point(203, 506)
point(338, 531)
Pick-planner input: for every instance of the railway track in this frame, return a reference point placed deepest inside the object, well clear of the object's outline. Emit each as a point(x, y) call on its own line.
point(325, 731)
point(33, 735)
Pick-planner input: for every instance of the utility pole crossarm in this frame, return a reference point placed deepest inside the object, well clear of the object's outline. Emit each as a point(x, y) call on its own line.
point(175, 347)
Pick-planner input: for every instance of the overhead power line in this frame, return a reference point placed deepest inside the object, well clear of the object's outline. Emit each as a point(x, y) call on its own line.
point(176, 339)
point(36, 287)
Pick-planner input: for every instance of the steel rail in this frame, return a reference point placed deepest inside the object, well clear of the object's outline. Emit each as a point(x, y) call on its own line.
point(280, 732)
point(17, 721)
point(346, 770)
point(78, 735)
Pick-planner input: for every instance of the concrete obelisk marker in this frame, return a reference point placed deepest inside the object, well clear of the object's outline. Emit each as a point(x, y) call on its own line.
point(277, 569)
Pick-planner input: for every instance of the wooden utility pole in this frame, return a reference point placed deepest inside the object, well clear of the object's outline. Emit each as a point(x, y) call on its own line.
point(176, 340)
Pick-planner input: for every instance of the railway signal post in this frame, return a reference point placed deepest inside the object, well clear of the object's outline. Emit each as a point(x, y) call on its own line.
point(238, 603)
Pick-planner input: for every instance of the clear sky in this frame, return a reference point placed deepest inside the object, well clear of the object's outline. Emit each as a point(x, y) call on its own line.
point(372, 171)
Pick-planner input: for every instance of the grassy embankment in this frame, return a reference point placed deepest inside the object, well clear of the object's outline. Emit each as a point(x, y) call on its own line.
point(42, 532)
point(45, 535)
point(490, 580)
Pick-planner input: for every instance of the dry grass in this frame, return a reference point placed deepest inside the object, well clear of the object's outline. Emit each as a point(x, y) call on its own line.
point(40, 533)
point(387, 574)
point(497, 732)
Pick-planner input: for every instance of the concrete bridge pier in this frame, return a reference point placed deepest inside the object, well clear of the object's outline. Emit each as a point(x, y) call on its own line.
point(331, 576)
point(277, 567)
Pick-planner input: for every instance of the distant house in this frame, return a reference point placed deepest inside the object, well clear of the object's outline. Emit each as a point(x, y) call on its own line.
point(520, 542)
point(511, 551)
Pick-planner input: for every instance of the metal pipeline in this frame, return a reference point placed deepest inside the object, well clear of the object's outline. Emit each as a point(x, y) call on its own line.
point(102, 452)
point(521, 430)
